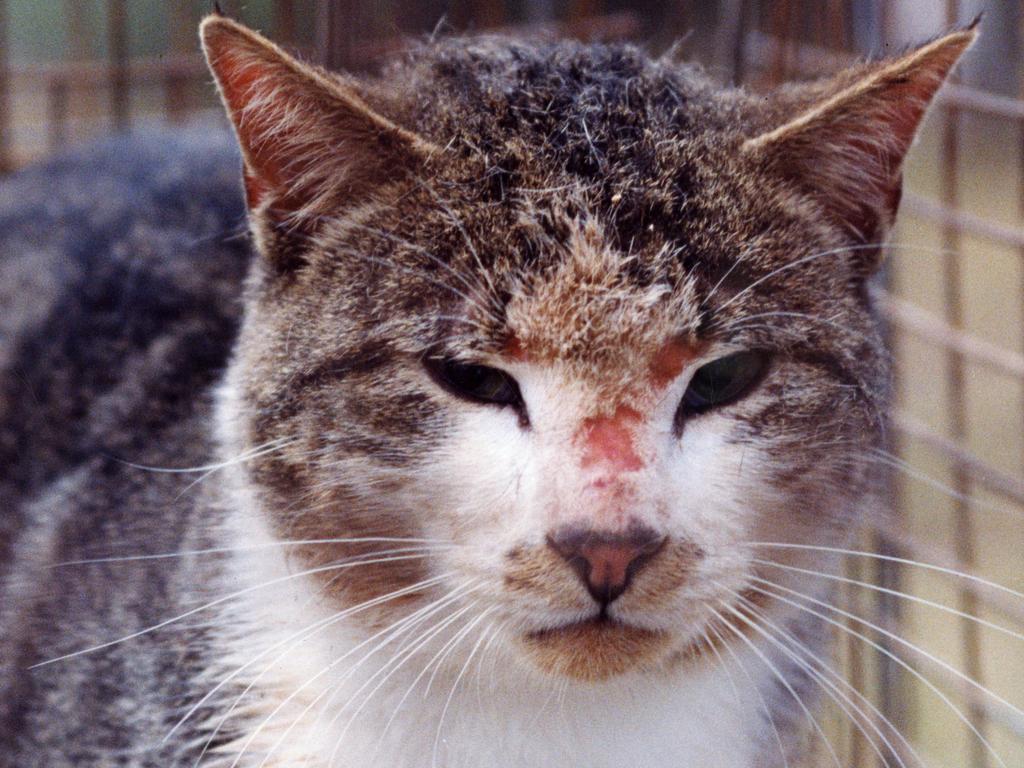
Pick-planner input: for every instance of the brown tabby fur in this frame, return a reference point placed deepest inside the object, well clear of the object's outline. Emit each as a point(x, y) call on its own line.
point(576, 206)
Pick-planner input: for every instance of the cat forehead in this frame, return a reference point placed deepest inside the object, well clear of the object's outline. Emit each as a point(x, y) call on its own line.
point(602, 309)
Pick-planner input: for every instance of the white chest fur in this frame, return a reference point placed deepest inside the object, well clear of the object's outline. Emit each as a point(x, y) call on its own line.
point(323, 694)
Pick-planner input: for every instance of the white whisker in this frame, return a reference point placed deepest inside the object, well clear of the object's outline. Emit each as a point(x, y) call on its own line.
point(253, 548)
point(781, 678)
point(289, 642)
point(881, 649)
point(218, 601)
point(455, 684)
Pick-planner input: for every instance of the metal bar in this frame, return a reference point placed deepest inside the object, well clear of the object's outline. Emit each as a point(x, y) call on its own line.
point(88, 75)
point(982, 102)
point(614, 26)
point(79, 32)
point(986, 707)
point(983, 474)
point(96, 74)
point(1020, 204)
point(896, 700)
point(956, 405)
point(854, 603)
point(917, 550)
point(962, 221)
point(923, 324)
point(117, 39)
point(782, 23)
point(728, 39)
point(739, 50)
point(337, 27)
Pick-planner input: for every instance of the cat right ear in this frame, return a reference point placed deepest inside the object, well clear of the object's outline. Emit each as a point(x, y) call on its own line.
point(310, 144)
point(847, 144)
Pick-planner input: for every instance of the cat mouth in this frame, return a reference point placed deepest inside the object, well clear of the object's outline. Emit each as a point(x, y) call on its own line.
point(594, 649)
point(596, 624)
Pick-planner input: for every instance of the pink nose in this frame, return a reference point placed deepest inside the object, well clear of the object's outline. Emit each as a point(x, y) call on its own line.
point(606, 562)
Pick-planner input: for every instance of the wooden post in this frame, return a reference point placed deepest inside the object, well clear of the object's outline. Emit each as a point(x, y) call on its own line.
point(6, 160)
point(117, 40)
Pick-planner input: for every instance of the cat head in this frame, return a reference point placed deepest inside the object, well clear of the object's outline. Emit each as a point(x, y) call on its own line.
point(562, 331)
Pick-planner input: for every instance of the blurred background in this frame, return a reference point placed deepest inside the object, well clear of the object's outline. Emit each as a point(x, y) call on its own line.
point(941, 656)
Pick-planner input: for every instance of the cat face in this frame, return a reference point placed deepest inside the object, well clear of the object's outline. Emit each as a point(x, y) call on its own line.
point(570, 329)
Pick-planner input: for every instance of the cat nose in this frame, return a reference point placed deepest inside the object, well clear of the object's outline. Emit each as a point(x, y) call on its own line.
point(606, 562)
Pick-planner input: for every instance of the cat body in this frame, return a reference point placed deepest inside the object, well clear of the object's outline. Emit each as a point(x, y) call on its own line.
point(541, 345)
point(110, 348)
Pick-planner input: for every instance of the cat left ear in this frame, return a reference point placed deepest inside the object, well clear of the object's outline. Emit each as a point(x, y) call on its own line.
point(847, 147)
point(309, 142)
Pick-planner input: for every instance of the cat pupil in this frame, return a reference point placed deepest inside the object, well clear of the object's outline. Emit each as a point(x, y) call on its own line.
point(724, 380)
point(479, 383)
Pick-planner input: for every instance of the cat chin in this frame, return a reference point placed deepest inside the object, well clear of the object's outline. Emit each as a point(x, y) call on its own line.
point(595, 649)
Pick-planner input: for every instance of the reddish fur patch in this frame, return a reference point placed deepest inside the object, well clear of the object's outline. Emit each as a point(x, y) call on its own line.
point(608, 441)
point(514, 349)
point(670, 361)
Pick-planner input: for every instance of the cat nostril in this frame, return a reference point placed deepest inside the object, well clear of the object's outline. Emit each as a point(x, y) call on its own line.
point(606, 562)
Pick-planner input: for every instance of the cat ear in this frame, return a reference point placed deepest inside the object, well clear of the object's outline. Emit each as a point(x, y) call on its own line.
point(308, 141)
point(847, 146)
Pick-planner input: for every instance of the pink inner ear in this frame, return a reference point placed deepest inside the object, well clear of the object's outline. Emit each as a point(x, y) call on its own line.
point(239, 83)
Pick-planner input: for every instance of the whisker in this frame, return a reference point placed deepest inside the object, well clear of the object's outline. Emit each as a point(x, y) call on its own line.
point(393, 665)
point(893, 559)
point(216, 602)
point(753, 685)
point(822, 667)
point(246, 455)
point(888, 459)
point(831, 252)
point(416, 248)
point(484, 273)
point(852, 712)
point(881, 649)
point(388, 669)
point(458, 679)
point(388, 634)
point(254, 548)
point(787, 266)
point(495, 628)
point(289, 641)
point(405, 622)
point(408, 692)
point(894, 593)
point(469, 299)
point(781, 678)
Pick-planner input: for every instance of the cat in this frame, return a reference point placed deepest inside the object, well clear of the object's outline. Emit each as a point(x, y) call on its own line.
point(477, 454)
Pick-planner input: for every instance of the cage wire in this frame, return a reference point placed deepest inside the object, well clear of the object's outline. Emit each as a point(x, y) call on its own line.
point(929, 645)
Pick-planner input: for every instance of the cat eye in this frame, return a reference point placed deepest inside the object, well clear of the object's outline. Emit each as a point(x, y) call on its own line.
point(724, 380)
point(477, 383)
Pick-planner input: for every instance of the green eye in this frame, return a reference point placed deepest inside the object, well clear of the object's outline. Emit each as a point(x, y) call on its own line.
point(724, 380)
point(478, 383)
